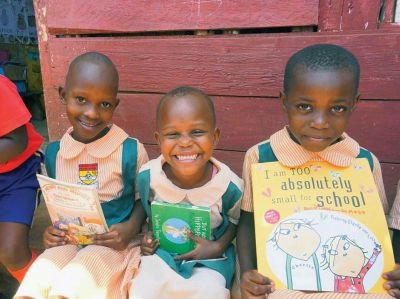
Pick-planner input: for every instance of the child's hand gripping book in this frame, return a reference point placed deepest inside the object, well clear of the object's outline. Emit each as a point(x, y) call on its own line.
point(320, 227)
point(73, 208)
point(171, 222)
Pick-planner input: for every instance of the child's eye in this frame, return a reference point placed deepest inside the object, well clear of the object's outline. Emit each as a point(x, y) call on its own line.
point(198, 132)
point(106, 105)
point(338, 109)
point(80, 99)
point(172, 135)
point(304, 107)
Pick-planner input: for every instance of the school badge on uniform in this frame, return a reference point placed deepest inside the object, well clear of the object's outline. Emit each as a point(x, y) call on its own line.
point(88, 173)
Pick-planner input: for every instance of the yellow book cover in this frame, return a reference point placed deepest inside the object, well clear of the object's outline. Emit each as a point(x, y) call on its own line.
point(320, 227)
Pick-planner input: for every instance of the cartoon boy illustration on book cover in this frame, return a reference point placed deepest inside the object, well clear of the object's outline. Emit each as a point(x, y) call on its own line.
point(299, 240)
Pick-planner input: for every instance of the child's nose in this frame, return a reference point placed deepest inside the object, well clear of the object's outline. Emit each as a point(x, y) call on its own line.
point(320, 121)
point(91, 112)
point(185, 140)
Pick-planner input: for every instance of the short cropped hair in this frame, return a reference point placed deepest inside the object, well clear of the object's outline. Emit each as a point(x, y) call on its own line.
point(321, 57)
point(97, 58)
point(182, 91)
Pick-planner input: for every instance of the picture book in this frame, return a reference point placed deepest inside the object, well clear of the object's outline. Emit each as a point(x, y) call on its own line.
point(319, 227)
point(73, 208)
point(171, 222)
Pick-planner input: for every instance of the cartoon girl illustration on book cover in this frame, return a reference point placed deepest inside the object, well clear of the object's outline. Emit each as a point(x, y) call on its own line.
point(348, 263)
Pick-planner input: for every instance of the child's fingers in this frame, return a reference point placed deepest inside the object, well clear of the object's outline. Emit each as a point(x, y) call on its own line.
point(187, 256)
point(148, 238)
point(195, 238)
point(392, 276)
point(55, 231)
point(257, 289)
point(394, 293)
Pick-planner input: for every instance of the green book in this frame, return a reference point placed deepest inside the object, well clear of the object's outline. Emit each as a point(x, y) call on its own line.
point(172, 221)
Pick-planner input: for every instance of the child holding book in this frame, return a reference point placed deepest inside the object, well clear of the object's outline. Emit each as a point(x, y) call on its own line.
point(19, 163)
point(319, 95)
point(93, 143)
point(187, 173)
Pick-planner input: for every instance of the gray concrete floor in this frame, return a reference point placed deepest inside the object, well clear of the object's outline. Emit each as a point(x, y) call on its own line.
point(41, 220)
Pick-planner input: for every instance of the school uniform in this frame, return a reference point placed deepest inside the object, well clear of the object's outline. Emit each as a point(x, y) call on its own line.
point(18, 183)
point(394, 217)
point(162, 277)
point(110, 163)
point(280, 147)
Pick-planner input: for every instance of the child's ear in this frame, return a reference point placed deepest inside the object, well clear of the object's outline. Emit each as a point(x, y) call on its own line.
point(157, 137)
point(282, 98)
point(217, 133)
point(356, 101)
point(61, 93)
point(116, 103)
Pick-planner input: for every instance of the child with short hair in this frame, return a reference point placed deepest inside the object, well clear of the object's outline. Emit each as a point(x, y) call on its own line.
point(104, 269)
point(320, 93)
point(187, 173)
point(19, 163)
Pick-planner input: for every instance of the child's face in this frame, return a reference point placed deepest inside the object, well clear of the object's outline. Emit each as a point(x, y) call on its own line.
point(187, 137)
point(90, 97)
point(319, 105)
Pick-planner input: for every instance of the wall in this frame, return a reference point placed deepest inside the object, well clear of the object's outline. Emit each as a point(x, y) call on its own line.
point(158, 45)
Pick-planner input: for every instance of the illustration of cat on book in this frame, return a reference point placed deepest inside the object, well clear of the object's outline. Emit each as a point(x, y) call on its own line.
point(346, 261)
point(298, 239)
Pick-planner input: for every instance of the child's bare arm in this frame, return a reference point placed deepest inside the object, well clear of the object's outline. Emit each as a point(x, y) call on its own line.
point(252, 283)
point(121, 234)
point(13, 144)
point(206, 249)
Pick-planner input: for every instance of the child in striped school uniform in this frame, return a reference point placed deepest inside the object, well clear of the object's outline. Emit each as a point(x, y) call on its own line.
point(19, 163)
point(93, 143)
point(187, 173)
point(319, 95)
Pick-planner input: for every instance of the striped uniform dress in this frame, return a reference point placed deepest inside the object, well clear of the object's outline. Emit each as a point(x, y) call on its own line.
point(394, 217)
point(291, 154)
point(93, 271)
point(209, 278)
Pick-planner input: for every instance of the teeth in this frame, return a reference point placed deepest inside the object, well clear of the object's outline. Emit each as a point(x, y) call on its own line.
point(187, 157)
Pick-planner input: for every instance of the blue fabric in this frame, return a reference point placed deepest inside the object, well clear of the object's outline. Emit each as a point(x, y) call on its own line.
point(19, 190)
point(225, 267)
point(266, 154)
point(119, 209)
point(367, 154)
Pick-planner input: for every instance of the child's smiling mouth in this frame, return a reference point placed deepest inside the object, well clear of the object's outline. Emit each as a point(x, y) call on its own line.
point(186, 157)
point(88, 124)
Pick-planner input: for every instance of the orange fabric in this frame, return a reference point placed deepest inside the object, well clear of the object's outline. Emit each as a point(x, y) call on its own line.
point(20, 274)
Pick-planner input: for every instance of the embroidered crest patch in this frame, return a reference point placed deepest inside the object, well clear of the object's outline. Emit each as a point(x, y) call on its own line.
point(88, 173)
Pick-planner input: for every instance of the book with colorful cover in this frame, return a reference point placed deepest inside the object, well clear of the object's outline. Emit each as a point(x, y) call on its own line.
point(171, 222)
point(73, 208)
point(320, 228)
